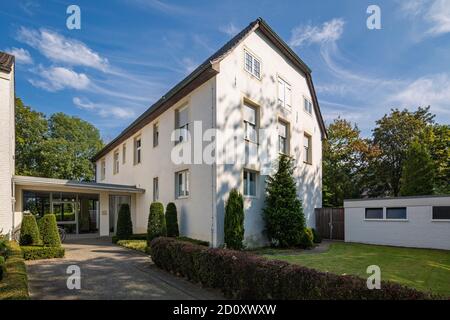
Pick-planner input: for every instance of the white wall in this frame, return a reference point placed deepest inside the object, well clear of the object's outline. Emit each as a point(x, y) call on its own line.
point(418, 230)
point(234, 84)
point(195, 211)
point(7, 147)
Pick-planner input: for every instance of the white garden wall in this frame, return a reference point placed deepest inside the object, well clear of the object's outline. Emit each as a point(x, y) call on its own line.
point(419, 229)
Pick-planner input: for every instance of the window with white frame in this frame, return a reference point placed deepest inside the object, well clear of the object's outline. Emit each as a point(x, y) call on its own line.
point(250, 183)
point(182, 124)
point(102, 169)
point(137, 150)
point(374, 213)
point(116, 162)
point(250, 123)
point(307, 105)
point(252, 64)
point(124, 153)
point(284, 93)
point(396, 213)
point(283, 137)
point(155, 135)
point(182, 184)
point(155, 189)
point(307, 149)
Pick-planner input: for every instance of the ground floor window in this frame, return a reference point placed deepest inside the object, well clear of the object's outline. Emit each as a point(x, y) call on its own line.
point(182, 184)
point(115, 202)
point(441, 213)
point(374, 213)
point(395, 213)
point(250, 183)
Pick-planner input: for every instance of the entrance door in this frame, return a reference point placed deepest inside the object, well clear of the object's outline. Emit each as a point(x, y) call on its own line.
point(66, 215)
point(114, 206)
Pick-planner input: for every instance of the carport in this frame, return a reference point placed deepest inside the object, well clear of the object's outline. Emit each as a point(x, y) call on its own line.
point(80, 207)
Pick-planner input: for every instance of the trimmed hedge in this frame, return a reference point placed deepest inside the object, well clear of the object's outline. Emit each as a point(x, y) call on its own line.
point(49, 231)
point(137, 236)
point(172, 220)
point(156, 222)
point(29, 231)
point(14, 285)
point(124, 224)
point(194, 241)
point(241, 275)
point(39, 252)
point(2, 267)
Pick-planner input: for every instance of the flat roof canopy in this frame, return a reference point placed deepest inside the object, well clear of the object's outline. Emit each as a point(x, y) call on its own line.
point(71, 184)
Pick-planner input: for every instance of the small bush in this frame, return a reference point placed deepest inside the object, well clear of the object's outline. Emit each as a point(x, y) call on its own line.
point(234, 220)
point(124, 224)
point(29, 231)
point(172, 220)
point(40, 252)
point(316, 236)
point(307, 238)
point(139, 245)
point(156, 222)
point(14, 285)
point(241, 275)
point(49, 231)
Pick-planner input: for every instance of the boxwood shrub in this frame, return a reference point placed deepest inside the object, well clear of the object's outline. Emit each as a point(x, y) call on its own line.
point(29, 231)
point(156, 222)
point(124, 224)
point(172, 220)
point(40, 252)
point(2, 267)
point(242, 275)
point(49, 231)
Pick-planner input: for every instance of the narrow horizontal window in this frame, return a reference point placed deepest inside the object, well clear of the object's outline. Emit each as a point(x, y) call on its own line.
point(395, 213)
point(374, 213)
point(441, 213)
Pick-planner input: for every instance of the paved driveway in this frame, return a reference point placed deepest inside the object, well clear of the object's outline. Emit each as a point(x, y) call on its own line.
point(108, 272)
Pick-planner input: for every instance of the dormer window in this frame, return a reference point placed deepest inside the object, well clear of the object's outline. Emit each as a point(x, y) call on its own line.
point(252, 64)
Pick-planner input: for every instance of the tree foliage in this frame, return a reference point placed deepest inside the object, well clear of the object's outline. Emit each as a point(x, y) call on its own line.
point(418, 172)
point(283, 212)
point(345, 160)
point(58, 147)
point(234, 220)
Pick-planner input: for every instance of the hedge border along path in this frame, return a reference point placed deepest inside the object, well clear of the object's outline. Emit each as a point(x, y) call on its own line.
point(242, 275)
point(40, 252)
point(14, 285)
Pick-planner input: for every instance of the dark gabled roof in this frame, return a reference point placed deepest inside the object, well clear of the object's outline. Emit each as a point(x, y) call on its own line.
point(6, 62)
point(206, 71)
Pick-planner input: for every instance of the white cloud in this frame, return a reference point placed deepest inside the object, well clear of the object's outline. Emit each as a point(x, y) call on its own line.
point(162, 6)
point(229, 29)
point(330, 31)
point(433, 90)
point(433, 14)
point(104, 110)
point(58, 48)
point(22, 56)
point(58, 78)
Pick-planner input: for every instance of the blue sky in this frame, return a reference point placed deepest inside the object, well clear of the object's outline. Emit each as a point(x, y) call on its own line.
point(130, 52)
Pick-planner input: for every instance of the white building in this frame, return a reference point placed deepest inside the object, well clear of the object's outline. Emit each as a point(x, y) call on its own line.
point(254, 81)
point(422, 221)
point(256, 94)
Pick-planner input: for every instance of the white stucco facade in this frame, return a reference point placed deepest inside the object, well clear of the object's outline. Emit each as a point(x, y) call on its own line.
point(218, 104)
point(418, 229)
point(7, 148)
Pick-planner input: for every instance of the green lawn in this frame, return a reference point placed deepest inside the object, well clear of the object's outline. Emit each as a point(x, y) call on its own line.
point(423, 269)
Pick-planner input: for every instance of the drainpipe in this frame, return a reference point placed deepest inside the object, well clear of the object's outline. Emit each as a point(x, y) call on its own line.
point(213, 171)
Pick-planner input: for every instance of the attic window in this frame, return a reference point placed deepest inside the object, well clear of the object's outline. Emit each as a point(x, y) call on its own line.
point(252, 65)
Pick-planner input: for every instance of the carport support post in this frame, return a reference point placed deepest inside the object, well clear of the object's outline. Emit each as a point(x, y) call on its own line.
point(104, 214)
